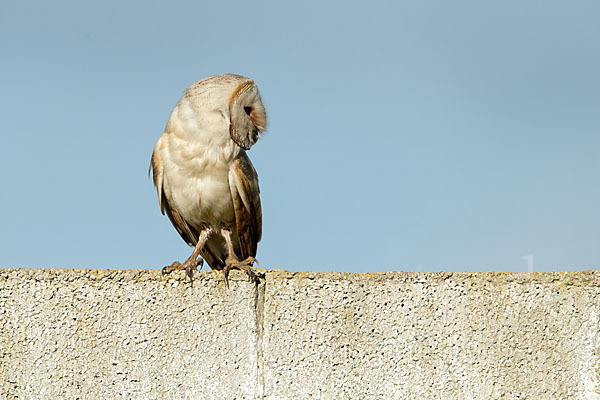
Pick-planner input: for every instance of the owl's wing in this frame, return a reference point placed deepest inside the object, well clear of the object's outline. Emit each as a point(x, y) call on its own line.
point(243, 183)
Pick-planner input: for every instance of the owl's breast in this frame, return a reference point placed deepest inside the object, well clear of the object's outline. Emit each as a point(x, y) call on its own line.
point(196, 180)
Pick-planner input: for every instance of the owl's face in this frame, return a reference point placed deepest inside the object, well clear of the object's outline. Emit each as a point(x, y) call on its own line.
point(238, 101)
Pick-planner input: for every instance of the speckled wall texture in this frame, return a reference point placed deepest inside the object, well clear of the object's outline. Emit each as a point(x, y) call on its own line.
point(134, 334)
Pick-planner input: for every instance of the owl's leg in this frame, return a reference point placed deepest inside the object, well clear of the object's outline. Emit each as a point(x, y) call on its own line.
point(232, 262)
point(191, 264)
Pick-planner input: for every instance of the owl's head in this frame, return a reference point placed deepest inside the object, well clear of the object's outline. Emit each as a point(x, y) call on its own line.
point(238, 101)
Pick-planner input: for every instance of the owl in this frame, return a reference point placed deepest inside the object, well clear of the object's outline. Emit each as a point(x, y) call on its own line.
point(204, 179)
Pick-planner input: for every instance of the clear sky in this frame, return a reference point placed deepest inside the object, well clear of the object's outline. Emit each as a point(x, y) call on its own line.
point(422, 135)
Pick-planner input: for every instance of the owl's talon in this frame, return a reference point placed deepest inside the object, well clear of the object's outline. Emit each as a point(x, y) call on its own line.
point(226, 276)
point(189, 266)
point(233, 263)
point(252, 276)
point(175, 266)
point(189, 271)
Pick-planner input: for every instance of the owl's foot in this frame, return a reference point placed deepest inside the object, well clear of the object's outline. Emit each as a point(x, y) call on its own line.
point(189, 266)
point(233, 263)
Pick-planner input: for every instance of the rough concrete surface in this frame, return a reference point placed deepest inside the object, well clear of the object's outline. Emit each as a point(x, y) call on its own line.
point(107, 334)
point(431, 336)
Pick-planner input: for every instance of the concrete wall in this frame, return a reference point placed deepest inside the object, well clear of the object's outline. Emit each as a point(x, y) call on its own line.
point(133, 334)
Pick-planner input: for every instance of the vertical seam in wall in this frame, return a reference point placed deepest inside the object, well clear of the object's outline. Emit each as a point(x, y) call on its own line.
point(259, 304)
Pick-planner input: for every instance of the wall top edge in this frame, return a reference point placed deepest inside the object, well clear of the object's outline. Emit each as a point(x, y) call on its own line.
point(584, 277)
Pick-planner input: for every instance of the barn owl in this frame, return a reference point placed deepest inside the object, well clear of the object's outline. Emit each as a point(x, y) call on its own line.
point(205, 181)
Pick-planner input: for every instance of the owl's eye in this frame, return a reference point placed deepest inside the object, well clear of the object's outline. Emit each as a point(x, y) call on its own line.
point(248, 110)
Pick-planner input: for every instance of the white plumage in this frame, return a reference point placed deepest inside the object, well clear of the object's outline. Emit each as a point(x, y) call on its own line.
point(205, 182)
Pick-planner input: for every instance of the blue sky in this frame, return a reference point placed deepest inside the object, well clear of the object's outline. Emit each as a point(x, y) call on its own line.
point(456, 136)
